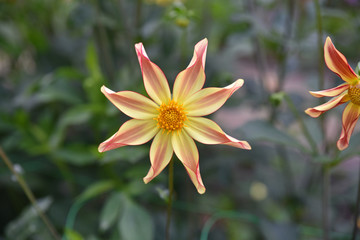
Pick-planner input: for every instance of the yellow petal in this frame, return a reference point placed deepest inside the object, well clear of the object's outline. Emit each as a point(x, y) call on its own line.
point(131, 103)
point(337, 63)
point(208, 132)
point(161, 152)
point(132, 132)
point(155, 81)
point(208, 100)
point(332, 92)
point(186, 150)
point(350, 116)
point(336, 101)
point(192, 79)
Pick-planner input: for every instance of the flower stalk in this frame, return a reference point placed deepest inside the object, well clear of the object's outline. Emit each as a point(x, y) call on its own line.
point(355, 227)
point(29, 194)
point(170, 199)
point(325, 201)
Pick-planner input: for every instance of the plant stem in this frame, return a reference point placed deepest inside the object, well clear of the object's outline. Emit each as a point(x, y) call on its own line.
point(29, 194)
point(284, 50)
point(305, 130)
point(259, 55)
point(325, 201)
point(171, 191)
point(321, 65)
point(356, 209)
point(285, 47)
point(320, 44)
point(137, 23)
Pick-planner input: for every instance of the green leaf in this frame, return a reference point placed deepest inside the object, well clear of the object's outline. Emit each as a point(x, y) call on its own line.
point(136, 223)
point(110, 212)
point(95, 80)
point(357, 69)
point(96, 189)
point(72, 235)
point(353, 148)
point(28, 223)
point(263, 131)
point(75, 116)
point(92, 62)
point(131, 154)
point(76, 154)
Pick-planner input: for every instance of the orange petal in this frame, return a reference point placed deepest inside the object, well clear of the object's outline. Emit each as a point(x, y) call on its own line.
point(350, 116)
point(332, 92)
point(208, 100)
point(337, 63)
point(192, 79)
point(318, 110)
point(186, 150)
point(132, 132)
point(208, 132)
point(131, 103)
point(155, 81)
point(161, 152)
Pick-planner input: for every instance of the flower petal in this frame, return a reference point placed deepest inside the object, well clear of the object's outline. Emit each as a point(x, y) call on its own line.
point(161, 152)
point(350, 116)
point(208, 132)
point(318, 110)
point(192, 79)
point(132, 132)
point(155, 81)
point(337, 63)
point(131, 103)
point(208, 100)
point(186, 150)
point(332, 92)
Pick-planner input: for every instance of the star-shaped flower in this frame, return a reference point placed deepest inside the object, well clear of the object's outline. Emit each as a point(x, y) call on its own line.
point(173, 120)
point(346, 92)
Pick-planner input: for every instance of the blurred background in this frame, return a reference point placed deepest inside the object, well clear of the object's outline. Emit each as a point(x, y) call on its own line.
point(56, 54)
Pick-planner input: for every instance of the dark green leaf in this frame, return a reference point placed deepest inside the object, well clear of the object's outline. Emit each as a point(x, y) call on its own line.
point(136, 223)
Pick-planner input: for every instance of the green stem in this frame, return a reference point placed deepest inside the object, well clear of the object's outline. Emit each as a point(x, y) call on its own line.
point(356, 210)
point(321, 64)
point(29, 194)
point(103, 44)
point(171, 191)
point(320, 44)
point(325, 201)
point(259, 55)
point(287, 36)
point(284, 51)
point(137, 23)
point(305, 130)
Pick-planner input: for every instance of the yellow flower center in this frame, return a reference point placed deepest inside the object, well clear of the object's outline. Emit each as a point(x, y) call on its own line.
point(354, 94)
point(171, 117)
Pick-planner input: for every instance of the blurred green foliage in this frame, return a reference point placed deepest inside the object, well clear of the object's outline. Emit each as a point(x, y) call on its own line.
point(56, 54)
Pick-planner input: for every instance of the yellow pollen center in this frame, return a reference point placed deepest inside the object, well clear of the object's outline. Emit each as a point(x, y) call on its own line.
point(171, 116)
point(354, 94)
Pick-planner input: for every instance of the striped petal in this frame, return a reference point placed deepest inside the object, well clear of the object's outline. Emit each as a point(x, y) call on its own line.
point(161, 152)
point(155, 81)
point(186, 150)
point(208, 132)
point(337, 63)
point(132, 132)
point(131, 103)
point(350, 116)
point(192, 79)
point(332, 92)
point(317, 111)
point(208, 100)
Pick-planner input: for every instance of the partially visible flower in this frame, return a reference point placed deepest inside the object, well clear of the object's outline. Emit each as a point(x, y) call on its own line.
point(172, 120)
point(346, 92)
